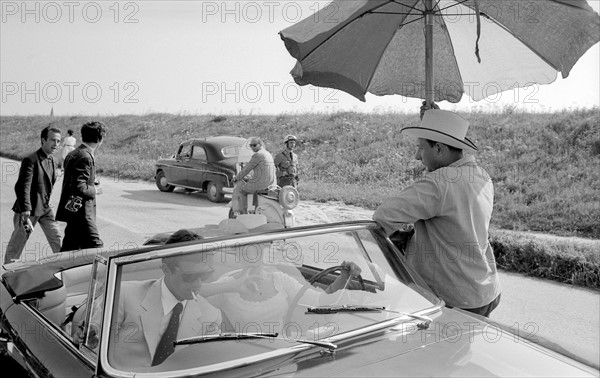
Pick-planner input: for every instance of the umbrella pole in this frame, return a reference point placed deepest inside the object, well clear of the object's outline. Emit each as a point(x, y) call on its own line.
point(429, 82)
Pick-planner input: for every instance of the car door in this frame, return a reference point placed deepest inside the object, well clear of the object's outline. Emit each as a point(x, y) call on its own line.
point(179, 171)
point(196, 174)
point(50, 351)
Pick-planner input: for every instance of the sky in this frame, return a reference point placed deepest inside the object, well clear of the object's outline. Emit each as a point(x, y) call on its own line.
point(198, 57)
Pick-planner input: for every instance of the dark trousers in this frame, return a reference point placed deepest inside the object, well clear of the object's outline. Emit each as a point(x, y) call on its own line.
point(487, 309)
point(81, 234)
point(286, 180)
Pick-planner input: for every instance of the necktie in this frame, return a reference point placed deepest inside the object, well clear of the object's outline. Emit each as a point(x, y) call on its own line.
point(165, 345)
point(50, 166)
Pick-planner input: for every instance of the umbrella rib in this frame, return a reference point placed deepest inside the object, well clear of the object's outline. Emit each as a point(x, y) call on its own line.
point(392, 37)
point(352, 21)
point(499, 24)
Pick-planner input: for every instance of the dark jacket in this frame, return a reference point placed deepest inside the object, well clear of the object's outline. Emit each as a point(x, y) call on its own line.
point(78, 180)
point(34, 185)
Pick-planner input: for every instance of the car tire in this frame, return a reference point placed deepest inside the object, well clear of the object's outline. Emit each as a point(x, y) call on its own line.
point(161, 182)
point(213, 193)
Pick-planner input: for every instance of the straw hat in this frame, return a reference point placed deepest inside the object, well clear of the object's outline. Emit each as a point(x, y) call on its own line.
point(444, 127)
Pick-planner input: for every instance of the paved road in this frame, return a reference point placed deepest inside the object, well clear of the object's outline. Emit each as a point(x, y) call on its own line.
point(129, 212)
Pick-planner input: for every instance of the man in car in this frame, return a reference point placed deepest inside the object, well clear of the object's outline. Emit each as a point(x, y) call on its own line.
point(262, 167)
point(154, 313)
point(451, 208)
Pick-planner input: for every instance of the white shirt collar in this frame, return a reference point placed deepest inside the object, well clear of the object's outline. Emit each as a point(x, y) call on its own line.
point(168, 299)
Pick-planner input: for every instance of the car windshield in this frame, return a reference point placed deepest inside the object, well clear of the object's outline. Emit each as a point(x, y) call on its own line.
point(231, 151)
point(289, 291)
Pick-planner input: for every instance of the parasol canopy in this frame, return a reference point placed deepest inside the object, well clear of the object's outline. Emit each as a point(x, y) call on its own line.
point(440, 49)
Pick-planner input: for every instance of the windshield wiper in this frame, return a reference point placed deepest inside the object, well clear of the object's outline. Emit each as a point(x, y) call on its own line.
point(362, 308)
point(225, 336)
point(344, 308)
point(248, 335)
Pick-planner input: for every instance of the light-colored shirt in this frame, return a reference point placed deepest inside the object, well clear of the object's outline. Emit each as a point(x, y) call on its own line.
point(451, 209)
point(69, 141)
point(263, 171)
point(168, 301)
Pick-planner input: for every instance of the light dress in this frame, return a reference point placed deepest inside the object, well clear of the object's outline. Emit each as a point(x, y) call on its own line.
point(258, 316)
point(68, 146)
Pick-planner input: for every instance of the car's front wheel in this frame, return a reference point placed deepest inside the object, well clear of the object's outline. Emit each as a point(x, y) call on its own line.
point(161, 182)
point(213, 193)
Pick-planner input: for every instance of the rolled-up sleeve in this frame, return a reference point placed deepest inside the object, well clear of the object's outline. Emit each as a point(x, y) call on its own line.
point(421, 200)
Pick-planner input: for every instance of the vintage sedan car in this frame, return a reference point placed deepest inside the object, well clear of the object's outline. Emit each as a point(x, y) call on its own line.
point(206, 164)
point(271, 303)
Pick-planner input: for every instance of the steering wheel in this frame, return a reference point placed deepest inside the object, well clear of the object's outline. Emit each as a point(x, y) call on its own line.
point(312, 280)
point(325, 272)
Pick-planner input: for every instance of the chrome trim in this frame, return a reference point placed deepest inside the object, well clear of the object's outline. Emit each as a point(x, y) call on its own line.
point(227, 242)
point(196, 170)
point(206, 245)
point(106, 327)
point(60, 335)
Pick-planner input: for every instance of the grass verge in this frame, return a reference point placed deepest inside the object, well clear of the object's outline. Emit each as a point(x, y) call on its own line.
point(545, 167)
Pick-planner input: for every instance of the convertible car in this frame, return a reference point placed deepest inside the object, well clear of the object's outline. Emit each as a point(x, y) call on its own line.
point(312, 301)
point(205, 164)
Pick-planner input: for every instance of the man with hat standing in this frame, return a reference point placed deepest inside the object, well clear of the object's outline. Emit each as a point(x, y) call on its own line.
point(451, 208)
point(286, 163)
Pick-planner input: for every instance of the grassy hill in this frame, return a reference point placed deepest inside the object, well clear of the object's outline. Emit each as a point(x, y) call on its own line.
point(545, 167)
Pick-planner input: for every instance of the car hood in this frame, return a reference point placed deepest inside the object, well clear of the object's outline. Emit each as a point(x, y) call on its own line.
point(454, 345)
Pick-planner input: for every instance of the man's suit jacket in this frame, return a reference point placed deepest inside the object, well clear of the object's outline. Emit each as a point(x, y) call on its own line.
point(34, 185)
point(263, 171)
point(78, 180)
point(138, 323)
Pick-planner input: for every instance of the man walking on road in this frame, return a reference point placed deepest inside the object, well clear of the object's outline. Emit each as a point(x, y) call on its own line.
point(33, 189)
point(77, 204)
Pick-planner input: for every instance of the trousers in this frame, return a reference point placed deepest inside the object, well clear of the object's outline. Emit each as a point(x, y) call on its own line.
point(19, 237)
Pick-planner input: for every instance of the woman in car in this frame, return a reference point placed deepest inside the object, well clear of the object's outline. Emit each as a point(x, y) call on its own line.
point(259, 295)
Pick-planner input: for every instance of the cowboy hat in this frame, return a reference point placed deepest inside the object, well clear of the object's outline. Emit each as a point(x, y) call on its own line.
point(444, 127)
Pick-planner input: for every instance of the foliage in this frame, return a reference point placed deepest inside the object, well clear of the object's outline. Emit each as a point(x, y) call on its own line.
point(545, 167)
point(564, 262)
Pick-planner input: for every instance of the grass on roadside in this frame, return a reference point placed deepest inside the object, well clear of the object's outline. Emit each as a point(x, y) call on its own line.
point(545, 167)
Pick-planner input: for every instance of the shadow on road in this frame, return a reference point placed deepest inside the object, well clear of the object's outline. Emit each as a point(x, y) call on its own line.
point(177, 197)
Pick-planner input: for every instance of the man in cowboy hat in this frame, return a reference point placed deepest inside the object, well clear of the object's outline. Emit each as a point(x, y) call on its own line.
point(286, 163)
point(451, 208)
